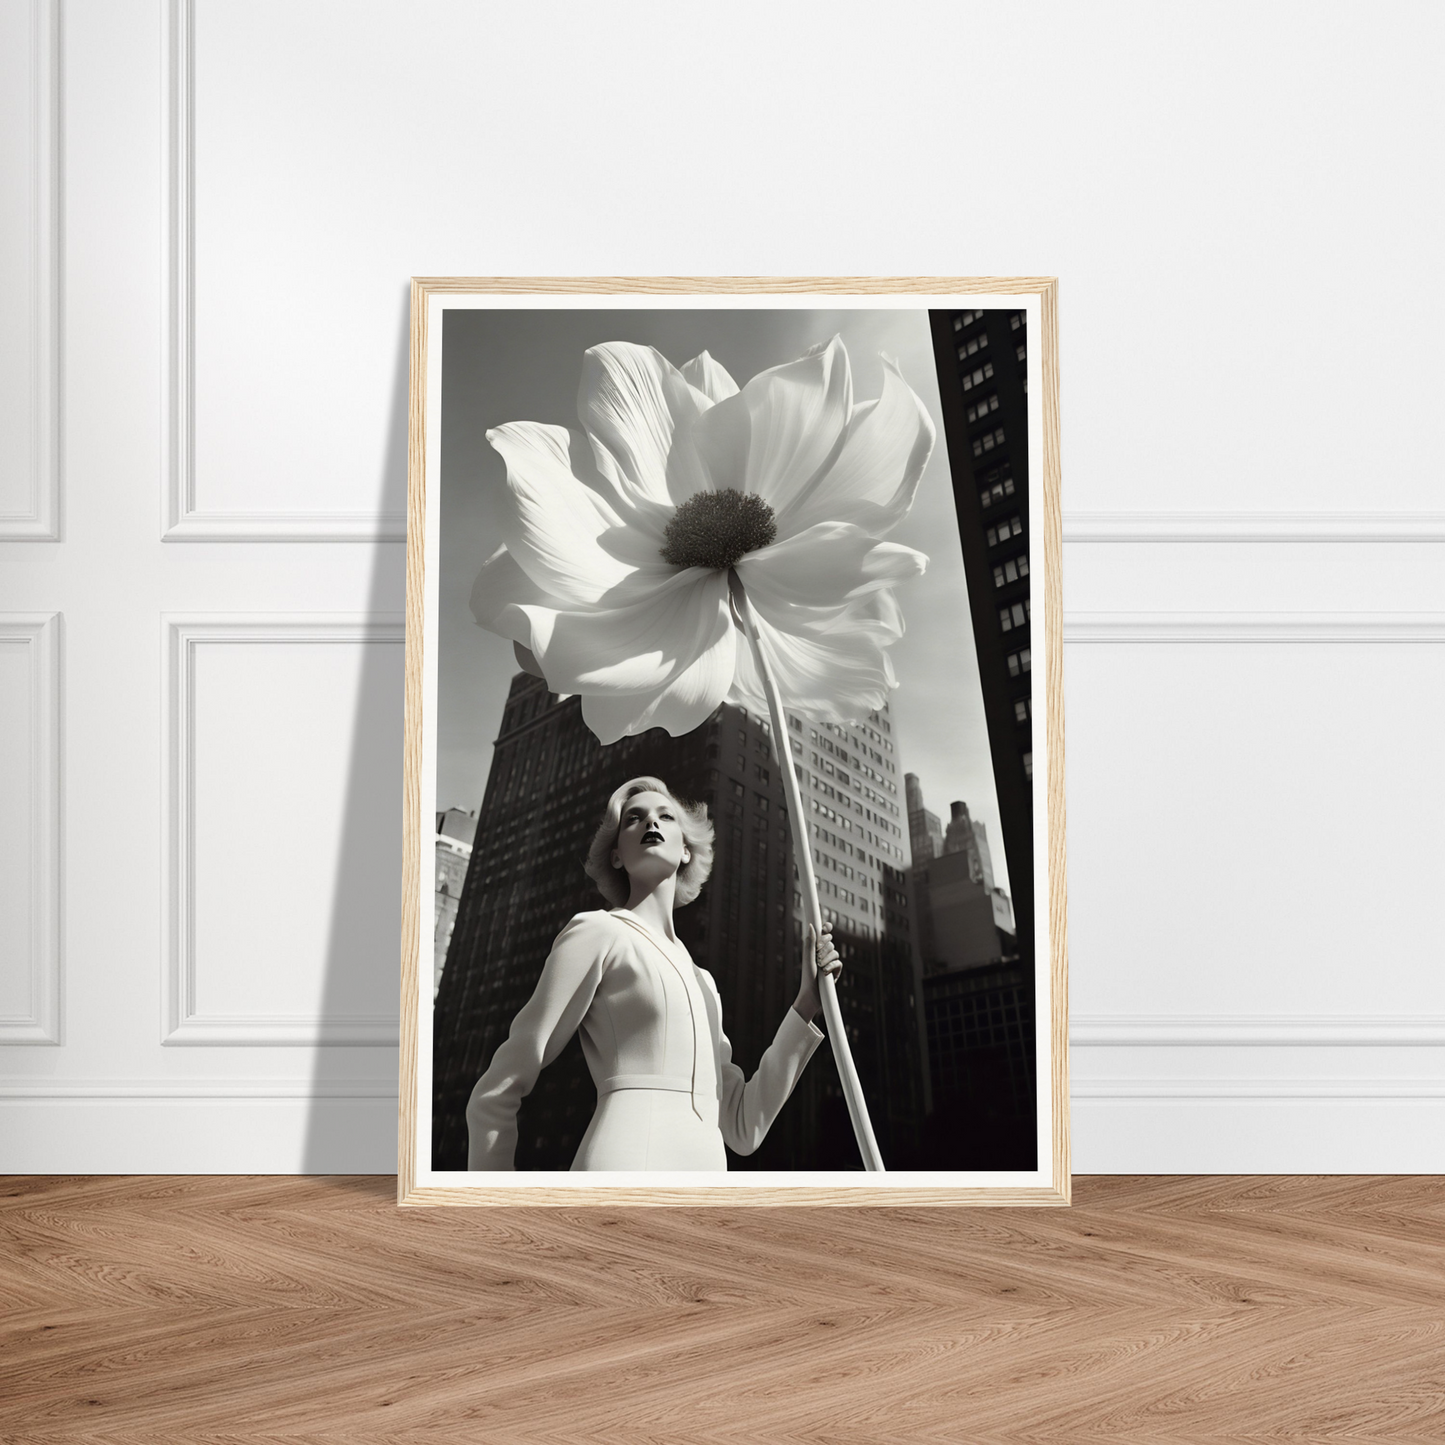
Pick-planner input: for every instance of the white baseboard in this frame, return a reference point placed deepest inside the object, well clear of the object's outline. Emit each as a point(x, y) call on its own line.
point(124, 1133)
point(1241, 1132)
point(1119, 1127)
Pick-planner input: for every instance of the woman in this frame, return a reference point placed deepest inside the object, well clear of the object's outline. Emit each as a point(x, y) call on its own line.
point(668, 1094)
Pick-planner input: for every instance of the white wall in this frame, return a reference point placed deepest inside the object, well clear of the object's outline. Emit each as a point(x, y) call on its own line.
point(209, 217)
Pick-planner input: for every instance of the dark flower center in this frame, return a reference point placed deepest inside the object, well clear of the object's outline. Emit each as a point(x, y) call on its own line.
point(717, 529)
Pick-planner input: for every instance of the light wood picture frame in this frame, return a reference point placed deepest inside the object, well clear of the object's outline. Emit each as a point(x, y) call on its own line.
point(993, 346)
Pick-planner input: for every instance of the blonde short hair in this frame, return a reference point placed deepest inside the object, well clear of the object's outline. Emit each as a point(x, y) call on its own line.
point(697, 832)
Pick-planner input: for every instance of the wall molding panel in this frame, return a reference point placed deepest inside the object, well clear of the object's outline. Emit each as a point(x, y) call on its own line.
point(40, 520)
point(1152, 1089)
point(1253, 627)
point(211, 1088)
point(182, 518)
point(39, 635)
point(1091, 1031)
point(1255, 1031)
point(1294, 526)
point(182, 1021)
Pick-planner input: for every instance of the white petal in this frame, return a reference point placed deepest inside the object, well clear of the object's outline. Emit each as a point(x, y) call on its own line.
point(799, 415)
point(710, 453)
point(824, 567)
point(875, 476)
point(553, 524)
point(684, 704)
point(840, 676)
point(640, 647)
point(499, 585)
point(631, 399)
point(710, 378)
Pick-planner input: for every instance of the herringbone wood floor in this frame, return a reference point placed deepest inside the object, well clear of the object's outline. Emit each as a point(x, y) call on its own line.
point(287, 1309)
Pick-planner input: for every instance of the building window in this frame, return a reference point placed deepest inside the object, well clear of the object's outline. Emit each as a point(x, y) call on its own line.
point(1022, 709)
point(997, 485)
point(1020, 662)
point(1015, 616)
point(796, 726)
point(987, 442)
point(1021, 351)
point(1018, 321)
point(973, 346)
point(982, 409)
point(1029, 766)
point(1011, 570)
point(967, 319)
point(975, 378)
point(1009, 527)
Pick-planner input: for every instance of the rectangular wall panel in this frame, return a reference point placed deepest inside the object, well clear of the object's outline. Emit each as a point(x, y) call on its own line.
point(29, 311)
point(29, 829)
point(299, 478)
point(283, 849)
point(1247, 801)
point(1251, 891)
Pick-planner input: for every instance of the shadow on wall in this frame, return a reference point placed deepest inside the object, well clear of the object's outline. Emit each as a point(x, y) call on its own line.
point(351, 1124)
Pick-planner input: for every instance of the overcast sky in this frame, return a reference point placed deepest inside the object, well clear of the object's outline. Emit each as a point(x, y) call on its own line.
point(501, 366)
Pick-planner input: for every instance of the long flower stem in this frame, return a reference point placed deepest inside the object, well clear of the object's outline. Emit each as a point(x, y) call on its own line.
point(803, 853)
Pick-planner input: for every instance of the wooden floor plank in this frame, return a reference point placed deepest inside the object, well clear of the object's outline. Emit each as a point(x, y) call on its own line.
point(213, 1310)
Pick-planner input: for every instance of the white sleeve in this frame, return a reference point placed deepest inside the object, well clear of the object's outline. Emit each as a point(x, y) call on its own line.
point(538, 1034)
point(748, 1106)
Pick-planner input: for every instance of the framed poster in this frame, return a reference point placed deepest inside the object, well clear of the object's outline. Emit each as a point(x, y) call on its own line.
point(734, 834)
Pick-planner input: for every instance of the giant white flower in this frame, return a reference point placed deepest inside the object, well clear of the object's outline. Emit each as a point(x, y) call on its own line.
point(612, 580)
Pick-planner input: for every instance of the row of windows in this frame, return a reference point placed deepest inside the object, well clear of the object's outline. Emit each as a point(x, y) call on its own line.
point(966, 319)
point(1011, 570)
point(857, 742)
point(988, 441)
point(830, 792)
point(1009, 527)
point(1020, 662)
point(973, 346)
point(997, 485)
point(977, 377)
point(983, 408)
point(1015, 616)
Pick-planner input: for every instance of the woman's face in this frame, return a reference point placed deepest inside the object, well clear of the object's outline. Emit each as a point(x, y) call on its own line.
point(650, 845)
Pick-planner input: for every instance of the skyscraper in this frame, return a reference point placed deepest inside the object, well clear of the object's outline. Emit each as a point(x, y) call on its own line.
point(850, 783)
point(982, 361)
point(961, 838)
point(546, 790)
point(991, 350)
point(453, 852)
point(978, 1003)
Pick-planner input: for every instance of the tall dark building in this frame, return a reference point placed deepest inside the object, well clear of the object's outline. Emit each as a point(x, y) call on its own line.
point(981, 1044)
point(991, 348)
point(549, 782)
point(982, 363)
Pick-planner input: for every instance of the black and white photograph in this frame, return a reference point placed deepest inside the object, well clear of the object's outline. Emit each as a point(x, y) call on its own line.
point(730, 725)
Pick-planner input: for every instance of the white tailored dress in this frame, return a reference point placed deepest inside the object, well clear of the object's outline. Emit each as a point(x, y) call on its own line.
point(668, 1092)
